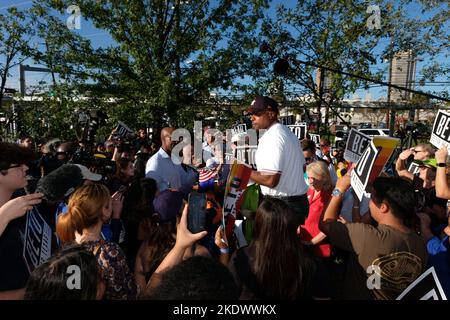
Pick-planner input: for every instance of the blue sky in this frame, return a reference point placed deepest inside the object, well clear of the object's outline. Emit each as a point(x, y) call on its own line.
point(100, 38)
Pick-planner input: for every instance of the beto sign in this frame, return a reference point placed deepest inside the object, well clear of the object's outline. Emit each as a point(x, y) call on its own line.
point(299, 130)
point(38, 240)
point(357, 142)
point(440, 136)
point(360, 175)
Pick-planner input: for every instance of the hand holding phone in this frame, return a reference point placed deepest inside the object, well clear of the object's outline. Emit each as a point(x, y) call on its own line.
point(197, 212)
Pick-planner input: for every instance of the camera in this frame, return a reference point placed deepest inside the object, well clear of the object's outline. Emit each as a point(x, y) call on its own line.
point(98, 163)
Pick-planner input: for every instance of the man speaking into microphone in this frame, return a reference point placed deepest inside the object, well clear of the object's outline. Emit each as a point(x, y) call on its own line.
point(279, 160)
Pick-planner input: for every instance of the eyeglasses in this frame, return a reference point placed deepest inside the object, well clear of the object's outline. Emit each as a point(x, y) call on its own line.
point(417, 151)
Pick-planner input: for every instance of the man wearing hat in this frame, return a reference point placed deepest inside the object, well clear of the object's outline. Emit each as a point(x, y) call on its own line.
point(279, 160)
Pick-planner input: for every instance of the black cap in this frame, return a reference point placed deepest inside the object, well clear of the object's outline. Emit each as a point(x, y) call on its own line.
point(261, 104)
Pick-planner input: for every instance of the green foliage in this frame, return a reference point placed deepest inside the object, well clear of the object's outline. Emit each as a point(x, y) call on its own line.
point(168, 58)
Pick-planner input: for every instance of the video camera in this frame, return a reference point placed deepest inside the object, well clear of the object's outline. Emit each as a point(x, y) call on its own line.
point(97, 162)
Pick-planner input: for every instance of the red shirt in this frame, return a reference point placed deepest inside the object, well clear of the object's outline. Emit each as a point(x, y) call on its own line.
point(311, 227)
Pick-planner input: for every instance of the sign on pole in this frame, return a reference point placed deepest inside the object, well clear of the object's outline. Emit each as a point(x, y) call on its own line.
point(357, 142)
point(426, 287)
point(440, 135)
point(38, 240)
point(299, 130)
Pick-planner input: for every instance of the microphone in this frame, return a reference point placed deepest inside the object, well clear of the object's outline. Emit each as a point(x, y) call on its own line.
point(60, 183)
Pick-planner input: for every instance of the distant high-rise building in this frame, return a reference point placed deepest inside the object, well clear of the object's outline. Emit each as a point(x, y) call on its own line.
point(403, 75)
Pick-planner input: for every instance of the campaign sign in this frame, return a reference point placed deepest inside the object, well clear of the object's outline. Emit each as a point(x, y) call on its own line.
point(371, 163)
point(315, 138)
point(413, 168)
point(38, 240)
point(361, 173)
point(426, 287)
point(246, 154)
point(123, 130)
point(299, 130)
point(239, 128)
point(357, 142)
point(236, 185)
point(440, 135)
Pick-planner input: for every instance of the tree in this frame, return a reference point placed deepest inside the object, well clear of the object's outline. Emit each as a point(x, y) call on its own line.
point(337, 34)
point(167, 56)
point(14, 44)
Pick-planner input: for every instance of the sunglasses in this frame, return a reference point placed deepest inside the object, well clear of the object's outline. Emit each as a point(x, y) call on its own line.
point(13, 166)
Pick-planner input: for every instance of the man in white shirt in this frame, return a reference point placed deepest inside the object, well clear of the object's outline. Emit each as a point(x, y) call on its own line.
point(161, 168)
point(279, 160)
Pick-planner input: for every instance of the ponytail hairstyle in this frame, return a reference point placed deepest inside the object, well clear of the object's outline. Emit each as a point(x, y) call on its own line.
point(85, 208)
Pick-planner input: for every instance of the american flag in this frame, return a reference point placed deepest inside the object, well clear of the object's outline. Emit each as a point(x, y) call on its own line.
point(205, 175)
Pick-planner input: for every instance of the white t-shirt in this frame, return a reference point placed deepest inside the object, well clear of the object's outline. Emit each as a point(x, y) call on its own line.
point(279, 152)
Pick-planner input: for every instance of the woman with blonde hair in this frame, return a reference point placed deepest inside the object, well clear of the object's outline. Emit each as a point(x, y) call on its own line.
point(319, 195)
point(89, 207)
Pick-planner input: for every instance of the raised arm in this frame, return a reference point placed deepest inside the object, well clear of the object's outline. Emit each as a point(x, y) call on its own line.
point(185, 239)
point(400, 166)
point(442, 188)
point(332, 212)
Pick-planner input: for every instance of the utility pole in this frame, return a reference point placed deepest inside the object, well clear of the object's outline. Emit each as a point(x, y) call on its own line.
point(390, 119)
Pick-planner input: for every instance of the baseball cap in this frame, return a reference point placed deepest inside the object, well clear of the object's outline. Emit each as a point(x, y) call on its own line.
point(88, 175)
point(261, 104)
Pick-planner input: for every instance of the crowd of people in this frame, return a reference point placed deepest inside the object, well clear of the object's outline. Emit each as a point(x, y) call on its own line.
point(121, 216)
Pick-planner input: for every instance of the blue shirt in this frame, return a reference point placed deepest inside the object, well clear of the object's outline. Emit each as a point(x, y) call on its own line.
point(439, 258)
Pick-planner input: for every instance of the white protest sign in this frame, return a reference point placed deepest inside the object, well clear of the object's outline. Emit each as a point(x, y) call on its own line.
point(440, 135)
point(246, 154)
point(315, 138)
point(287, 120)
point(239, 128)
point(357, 142)
point(299, 130)
point(426, 287)
point(361, 173)
point(38, 240)
point(123, 130)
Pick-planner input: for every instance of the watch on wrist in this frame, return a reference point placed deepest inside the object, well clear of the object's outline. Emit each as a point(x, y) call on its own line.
point(336, 193)
point(442, 164)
